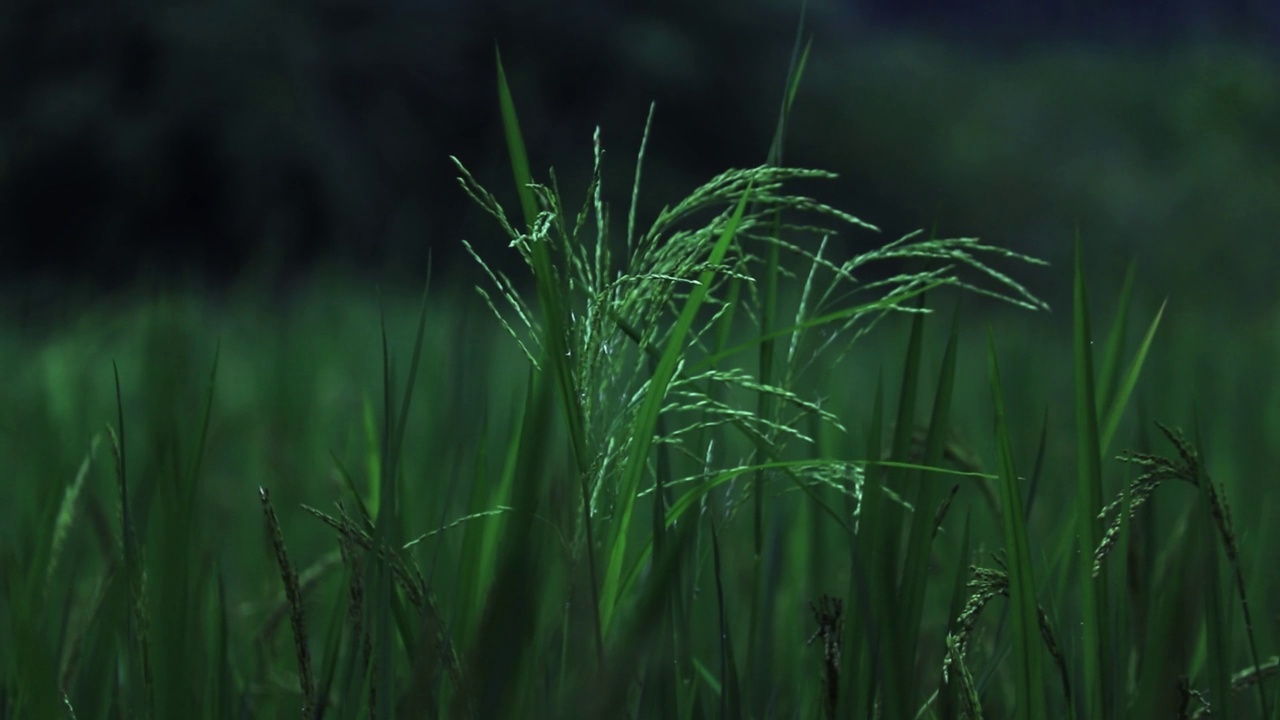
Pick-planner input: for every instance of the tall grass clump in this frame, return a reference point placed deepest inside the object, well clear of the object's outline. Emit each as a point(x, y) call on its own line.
point(650, 340)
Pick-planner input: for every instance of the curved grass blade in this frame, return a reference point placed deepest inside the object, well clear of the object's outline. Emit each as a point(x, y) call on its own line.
point(1107, 374)
point(647, 418)
point(1125, 389)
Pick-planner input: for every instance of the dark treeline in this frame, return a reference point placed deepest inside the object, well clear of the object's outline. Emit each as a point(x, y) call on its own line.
point(215, 137)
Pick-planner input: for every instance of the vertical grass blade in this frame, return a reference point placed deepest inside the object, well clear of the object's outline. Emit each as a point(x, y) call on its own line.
point(496, 677)
point(929, 493)
point(867, 591)
point(795, 71)
point(175, 568)
point(1174, 611)
point(886, 552)
point(730, 693)
point(1022, 586)
point(555, 331)
point(765, 402)
point(139, 695)
point(1124, 390)
point(647, 418)
point(1108, 373)
point(1098, 680)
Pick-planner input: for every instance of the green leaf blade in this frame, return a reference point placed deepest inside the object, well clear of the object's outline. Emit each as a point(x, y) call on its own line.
point(1022, 586)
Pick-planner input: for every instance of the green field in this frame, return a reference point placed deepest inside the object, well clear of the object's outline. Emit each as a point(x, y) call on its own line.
point(708, 464)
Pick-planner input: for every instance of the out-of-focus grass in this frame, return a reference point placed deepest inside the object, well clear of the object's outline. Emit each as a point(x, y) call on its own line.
point(292, 387)
point(1166, 155)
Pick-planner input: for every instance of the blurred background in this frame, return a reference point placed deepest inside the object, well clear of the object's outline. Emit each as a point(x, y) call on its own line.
point(248, 143)
point(294, 157)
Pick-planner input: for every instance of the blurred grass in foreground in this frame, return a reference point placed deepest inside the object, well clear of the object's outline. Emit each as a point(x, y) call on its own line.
point(296, 391)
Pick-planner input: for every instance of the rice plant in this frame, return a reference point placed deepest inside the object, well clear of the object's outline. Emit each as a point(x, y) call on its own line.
point(704, 488)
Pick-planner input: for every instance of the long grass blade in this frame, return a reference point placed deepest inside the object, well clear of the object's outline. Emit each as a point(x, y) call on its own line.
point(866, 588)
point(1127, 384)
point(555, 318)
point(647, 418)
point(1108, 373)
point(1028, 659)
point(1098, 679)
point(929, 494)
